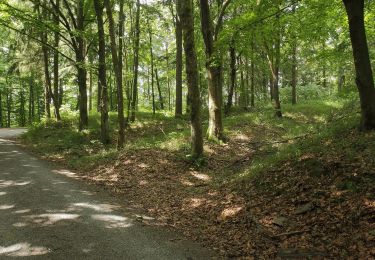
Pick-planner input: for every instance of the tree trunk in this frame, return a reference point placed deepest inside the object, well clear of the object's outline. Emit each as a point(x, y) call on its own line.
point(159, 90)
point(118, 74)
point(214, 74)
point(152, 72)
point(81, 70)
point(55, 95)
point(1, 109)
point(252, 75)
point(179, 66)
point(47, 80)
point(364, 77)
point(232, 52)
point(104, 124)
point(276, 72)
point(294, 71)
point(185, 9)
point(136, 63)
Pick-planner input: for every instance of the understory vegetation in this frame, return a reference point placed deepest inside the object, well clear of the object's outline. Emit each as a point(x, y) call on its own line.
point(313, 161)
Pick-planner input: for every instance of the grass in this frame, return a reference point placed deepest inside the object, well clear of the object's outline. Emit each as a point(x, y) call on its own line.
point(61, 141)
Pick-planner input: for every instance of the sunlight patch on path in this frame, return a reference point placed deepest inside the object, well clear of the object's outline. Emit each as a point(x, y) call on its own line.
point(23, 249)
point(113, 221)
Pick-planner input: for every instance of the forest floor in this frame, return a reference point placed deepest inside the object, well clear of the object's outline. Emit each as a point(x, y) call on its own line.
point(298, 187)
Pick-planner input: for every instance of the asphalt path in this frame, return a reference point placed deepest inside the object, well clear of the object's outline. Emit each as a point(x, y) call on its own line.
point(45, 213)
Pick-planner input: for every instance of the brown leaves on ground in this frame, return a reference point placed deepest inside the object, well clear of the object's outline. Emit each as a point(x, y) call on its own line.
point(320, 206)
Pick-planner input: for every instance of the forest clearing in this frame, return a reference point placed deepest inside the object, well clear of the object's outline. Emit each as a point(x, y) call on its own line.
point(212, 129)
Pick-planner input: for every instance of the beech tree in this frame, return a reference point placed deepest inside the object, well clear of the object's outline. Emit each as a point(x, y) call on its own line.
point(364, 77)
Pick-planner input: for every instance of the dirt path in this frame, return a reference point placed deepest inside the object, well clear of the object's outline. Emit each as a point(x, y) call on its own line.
point(46, 214)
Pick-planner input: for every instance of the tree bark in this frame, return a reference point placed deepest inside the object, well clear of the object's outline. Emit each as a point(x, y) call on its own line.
point(136, 63)
point(104, 123)
point(364, 76)
point(159, 90)
point(214, 74)
point(118, 76)
point(179, 66)
point(55, 96)
point(81, 70)
point(185, 9)
point(276, 101)
point(232, 52)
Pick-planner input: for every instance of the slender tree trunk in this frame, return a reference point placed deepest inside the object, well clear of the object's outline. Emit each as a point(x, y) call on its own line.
point(232, 52)
point(185, 9)
point(152, 72)
point(214, 74)
point(294, 71)
point(159, 90)
point(364, 76)
point(55, 95)
point(252, 75)
point(276, 96)
point(9, 107)
point(168, 83)
point(90, 84)
point(136, 63)
point(31, 101)
point(104, 124)
point(1, 109)
point(118, 76)
point(81, 69)
point(47, 80)
point(179, 66)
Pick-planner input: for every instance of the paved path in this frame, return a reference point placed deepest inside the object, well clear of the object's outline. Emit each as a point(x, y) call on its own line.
point(46, 215)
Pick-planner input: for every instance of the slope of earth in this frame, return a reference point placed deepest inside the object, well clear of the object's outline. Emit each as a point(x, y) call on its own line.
point(300, 187)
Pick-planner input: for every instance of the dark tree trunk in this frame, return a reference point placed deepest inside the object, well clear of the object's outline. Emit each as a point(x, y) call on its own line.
point(31, 102)
point(152, 72)
point(81, 70)
point(102, 81)
point(136, 63)
point(364, 77)
point(1, 109)
point(185, 9)
point(9, 108)
point(232, 52)
point(47, 80)
point(159, 90)
point(55, 95)
point(179, 66)
point(276, 72)
point(118, 76)
point(252, 75)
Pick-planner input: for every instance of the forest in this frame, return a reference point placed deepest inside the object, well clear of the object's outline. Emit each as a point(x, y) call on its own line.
point(246, 125)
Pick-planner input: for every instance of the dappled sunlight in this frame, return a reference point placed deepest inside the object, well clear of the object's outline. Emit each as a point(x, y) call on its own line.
point(22, 250)
point(230, 212)
point(22, 211)
point(186, 182)
point(194, 203)
point(3, 207)
point(51, 219)
point(200, 176)
point(113, 221)
point(65, 173)
point(2, 193)
point(95, 207)
point(6, 184)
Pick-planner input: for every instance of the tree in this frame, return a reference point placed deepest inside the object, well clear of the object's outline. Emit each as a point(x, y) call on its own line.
point(136, 62)
point(118, 75)
point(102, 80)
point(364, 77)
point(185, 10)
point(214, 68)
